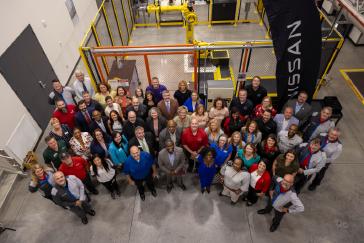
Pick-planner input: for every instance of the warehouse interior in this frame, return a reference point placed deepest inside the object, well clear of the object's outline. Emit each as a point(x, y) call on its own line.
point(97, 35)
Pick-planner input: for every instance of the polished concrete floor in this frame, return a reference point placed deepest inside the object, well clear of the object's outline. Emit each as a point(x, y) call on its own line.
point(333, 213)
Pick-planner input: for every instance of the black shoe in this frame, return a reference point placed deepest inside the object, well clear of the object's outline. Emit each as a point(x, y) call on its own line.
point(84, 220)
point(95, 192)
point(169, 188)
point(233, 203)
point(92, 212)
point(202, 190)
point(154, 193)
point(142, 196)
point(220, 194)
point(183, 187)
point(273, 228)
point(113, 195)
point(208, 189)
point(312, 187)
point(249, 204)
point(118, 193)
point(262, 211)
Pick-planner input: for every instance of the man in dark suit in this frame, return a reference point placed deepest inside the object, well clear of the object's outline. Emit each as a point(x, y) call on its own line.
point(100, 122)
point(83, 117)
point(168, 106)
point(301, 110)
point(139, 109)
point(130, 125)
point(172, 161)
point(143, 140)
point(170, 132)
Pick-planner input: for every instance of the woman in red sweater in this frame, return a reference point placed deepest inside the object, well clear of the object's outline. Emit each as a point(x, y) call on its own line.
point(265, 105)
point(259, 182)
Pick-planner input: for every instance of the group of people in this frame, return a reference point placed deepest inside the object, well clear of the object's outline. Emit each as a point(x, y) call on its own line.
point(248, 146)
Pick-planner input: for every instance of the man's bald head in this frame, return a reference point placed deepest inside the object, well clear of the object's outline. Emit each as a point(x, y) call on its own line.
point(135, 152)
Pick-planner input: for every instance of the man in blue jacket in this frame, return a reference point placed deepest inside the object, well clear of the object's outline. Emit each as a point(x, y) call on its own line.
point(140, 167)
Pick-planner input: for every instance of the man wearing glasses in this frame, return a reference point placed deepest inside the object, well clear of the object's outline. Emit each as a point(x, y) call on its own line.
point(283, 200)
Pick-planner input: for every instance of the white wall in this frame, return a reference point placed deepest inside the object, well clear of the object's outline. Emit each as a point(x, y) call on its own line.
point(60, 40)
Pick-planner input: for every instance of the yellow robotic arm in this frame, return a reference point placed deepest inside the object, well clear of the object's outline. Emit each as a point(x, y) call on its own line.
point(188, 14)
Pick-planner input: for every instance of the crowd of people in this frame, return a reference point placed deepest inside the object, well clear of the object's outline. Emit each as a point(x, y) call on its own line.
point(247, 149)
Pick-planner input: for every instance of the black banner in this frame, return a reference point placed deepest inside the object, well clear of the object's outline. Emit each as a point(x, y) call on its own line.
point(296, 33)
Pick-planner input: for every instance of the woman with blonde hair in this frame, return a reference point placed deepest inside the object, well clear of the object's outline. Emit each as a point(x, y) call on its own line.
point(201, 115)
point(42, 181)
point(60, 131)
point(182, 93)
point(236, 143)
point(265, 105)
point(251, 134)
point(213, 131)
point(183, 120)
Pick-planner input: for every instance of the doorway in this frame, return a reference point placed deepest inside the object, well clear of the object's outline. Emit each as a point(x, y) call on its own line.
point(29, 73)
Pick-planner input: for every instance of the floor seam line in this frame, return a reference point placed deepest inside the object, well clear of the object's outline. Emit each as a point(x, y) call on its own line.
point(132, 219)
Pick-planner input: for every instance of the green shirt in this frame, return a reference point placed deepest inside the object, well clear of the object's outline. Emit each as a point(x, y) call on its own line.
point(52, 158)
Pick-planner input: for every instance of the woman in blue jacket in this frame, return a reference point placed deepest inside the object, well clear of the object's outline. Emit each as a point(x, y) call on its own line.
point(192, 102)
point(207, 168)
point(118, 149)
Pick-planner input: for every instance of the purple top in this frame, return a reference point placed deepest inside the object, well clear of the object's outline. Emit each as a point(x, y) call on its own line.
point(156, 92)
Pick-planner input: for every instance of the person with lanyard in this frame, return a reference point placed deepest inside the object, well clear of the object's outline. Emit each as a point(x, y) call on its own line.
point(235, 180)
point(82, 84)
point(251, 133)
point(311, 160)
point(100, 144)
point(140, 168)
point(118, 150)
point(289, 139)
point(332, 147)
point(223, 150)
point(145, 141)
point(284, 200)
point(42, 180)
point(69, 192)
point(249, 155)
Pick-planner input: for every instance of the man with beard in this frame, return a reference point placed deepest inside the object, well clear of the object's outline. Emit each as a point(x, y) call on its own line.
point(65, 113)
point(289, 139)
point(83, 117)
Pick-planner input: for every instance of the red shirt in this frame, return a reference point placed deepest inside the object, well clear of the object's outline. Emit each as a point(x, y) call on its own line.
point(194, 142)
point(258, 111)
point(264, 181)
point(78, 168)
point(66, 118)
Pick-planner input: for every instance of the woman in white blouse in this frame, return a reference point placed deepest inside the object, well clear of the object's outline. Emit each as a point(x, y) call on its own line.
point(235, 180)
point(105, 174)
point(80, 143)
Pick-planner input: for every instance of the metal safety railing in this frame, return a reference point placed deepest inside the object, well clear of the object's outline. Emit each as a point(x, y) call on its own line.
point(107, 39)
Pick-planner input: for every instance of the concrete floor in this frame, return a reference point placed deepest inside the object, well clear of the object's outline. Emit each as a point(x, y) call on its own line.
point(333, 213)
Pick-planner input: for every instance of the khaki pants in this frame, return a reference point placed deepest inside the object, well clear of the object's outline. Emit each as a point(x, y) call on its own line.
point(233, 196)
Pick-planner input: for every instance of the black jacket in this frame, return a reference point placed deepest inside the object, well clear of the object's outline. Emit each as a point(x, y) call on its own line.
point(266, 128)
point(149, 138)
point(129, 128)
